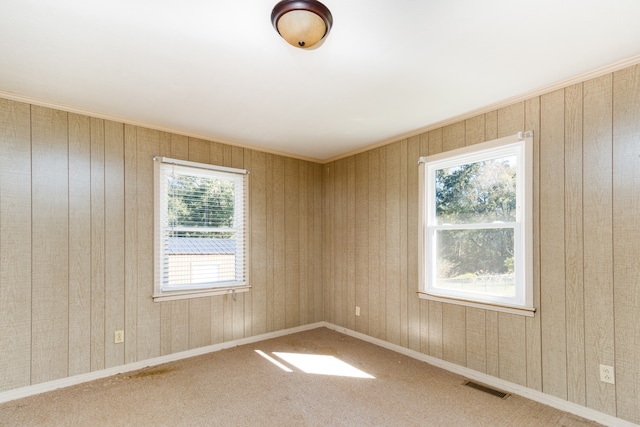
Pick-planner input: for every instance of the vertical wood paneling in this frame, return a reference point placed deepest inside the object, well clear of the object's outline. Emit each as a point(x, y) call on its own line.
point(474, 130)
point(574, 265)
point(491, 125)
point(453, 334)
point(598, 241)
point(403, 279)
point(130, 244)
point(533, 324)
point(382, 252)
point(375, 270)
point(476, 343)
point(411, 247)
point(317, 258)
point(552, 255)
point(392, 243)
point(148, 320)
point(339, 268)
point(97, 245)
point(269, 243)
point(492, 341)
point(291, 243)
point(279, 250)
point(512, 348)
point(258, 243)
point(453, 136)
point(79, 244)
point(510, 120)
point(350, 218)
point(626, 239)
point(50, 245)
point(114, 241)
point(15, 245)
point(304, 242)
point(362, 241)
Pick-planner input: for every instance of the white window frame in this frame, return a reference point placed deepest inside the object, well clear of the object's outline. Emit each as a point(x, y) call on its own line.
point(521, 145)
point(162, 291)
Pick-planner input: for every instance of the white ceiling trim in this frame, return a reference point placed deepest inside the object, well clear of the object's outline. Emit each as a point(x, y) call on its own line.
point(634, 60)
point(69, 109)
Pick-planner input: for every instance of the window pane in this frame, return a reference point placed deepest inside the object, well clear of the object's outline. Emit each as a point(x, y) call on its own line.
point(479, 260)
point(196, 201)
point(480, 192)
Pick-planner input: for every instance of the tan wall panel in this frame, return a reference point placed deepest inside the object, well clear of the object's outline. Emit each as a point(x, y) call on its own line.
point(411, 245)
point(97, 245)
point(626, 239)
point(574, 247)
point(362, 242)
point(148, 313)
point(50, 245)
point(114, 241)
point(376, 271)
point(598, 241)
point(393, 309)
point(15, 246)
point(552, 259)
point(79, 244)
point(258, 234)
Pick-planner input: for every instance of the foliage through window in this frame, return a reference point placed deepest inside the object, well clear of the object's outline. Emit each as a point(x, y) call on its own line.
point(200, 221)
point(477, 224)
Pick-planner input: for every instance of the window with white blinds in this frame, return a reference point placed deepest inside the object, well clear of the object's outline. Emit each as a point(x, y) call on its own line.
point(200, 218)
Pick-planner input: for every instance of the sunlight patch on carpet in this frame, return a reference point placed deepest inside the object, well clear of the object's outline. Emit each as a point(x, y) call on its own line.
point(322, 365)
point(274, 361)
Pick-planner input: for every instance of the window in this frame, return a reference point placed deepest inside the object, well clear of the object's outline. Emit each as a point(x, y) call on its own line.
point(200, 235)
point(476, 239)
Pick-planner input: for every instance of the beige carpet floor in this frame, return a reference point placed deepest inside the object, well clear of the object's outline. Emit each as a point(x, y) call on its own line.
point(241, 387)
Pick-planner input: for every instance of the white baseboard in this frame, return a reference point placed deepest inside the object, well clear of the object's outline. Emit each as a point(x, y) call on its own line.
point(537, 396)
point(31, 390)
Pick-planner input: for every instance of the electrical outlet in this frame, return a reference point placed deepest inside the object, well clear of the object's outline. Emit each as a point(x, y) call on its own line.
point(607, 374)
point(357, 311)
point(118, 337)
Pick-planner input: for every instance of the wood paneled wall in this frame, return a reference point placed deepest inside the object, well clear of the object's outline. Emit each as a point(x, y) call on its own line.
point(76, 246)
point(586, 244)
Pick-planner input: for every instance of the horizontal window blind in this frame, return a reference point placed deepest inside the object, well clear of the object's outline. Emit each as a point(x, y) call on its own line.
point(200, 226)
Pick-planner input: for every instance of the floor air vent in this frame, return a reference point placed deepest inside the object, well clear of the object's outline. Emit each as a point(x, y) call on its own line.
point(486, 389)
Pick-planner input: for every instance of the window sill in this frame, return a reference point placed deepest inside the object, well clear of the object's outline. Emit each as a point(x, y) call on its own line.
point(177, 295)
point(522, 311)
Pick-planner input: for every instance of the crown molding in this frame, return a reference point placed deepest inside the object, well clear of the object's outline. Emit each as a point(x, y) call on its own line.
point(69, 109)
point(634, 60)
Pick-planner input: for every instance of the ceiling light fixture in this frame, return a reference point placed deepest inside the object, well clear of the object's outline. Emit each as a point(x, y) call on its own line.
point(302, 23)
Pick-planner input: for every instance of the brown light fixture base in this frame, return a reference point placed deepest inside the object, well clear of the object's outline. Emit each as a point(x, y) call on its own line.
point(302, 23)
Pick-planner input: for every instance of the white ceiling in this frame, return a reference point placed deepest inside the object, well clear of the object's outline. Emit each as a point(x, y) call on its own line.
point(218, 68)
